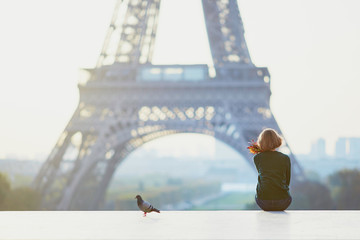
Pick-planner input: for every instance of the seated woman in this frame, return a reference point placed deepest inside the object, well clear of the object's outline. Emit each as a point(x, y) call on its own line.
point(274, 168)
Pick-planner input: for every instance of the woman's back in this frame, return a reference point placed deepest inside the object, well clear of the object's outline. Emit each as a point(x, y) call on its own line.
point(274, 175)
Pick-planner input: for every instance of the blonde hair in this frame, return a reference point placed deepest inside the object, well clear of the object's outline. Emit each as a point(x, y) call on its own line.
point(269, 140)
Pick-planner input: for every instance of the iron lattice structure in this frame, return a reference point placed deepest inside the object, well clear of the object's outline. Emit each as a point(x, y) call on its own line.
point(126, 101)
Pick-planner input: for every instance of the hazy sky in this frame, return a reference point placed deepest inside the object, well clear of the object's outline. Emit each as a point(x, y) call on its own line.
point(311, 48)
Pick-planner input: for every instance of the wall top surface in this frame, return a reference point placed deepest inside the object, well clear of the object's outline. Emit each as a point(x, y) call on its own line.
point(180, 225)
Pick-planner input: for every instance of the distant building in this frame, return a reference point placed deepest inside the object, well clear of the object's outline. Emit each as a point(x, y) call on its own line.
point(348, 148)
point(318, 149)
point(354, 148)
point(341, 148)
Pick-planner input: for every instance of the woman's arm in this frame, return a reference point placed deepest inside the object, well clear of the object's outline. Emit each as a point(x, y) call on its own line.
point(256, 162)
point(288, 171)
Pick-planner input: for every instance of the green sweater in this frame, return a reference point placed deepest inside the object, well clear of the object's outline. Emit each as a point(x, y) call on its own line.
point(274, 175)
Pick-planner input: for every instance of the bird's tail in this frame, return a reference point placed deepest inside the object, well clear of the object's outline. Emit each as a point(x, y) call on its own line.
point(156, 210)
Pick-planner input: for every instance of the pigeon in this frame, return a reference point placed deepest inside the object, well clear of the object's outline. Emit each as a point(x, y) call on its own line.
point(145, 206)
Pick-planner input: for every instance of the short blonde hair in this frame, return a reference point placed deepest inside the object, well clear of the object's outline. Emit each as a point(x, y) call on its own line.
point(269, 140)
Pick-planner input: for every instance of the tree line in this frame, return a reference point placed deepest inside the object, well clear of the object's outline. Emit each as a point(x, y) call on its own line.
point(18, 199)
point(340, 191)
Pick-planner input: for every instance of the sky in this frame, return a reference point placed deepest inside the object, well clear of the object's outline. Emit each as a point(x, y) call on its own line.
point(311, 49)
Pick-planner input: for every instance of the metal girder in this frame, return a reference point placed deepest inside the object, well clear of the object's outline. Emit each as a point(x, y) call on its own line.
point(131, 34)
point(225, 32)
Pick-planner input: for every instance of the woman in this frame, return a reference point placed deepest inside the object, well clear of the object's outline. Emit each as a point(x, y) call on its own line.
point(274, 168)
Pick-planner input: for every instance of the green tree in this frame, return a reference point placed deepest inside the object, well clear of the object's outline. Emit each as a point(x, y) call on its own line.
point(345, 188)
point(22, 199)
point(4, 188)
point(310, 195)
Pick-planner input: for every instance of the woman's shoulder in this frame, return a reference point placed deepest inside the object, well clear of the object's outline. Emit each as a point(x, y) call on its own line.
point(281, 154)
point(261, 155)
point(284, 156)
point(276, 153)
point(258, 155)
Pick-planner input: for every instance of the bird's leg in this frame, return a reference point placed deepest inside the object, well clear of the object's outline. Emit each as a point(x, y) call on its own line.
point(144, 214)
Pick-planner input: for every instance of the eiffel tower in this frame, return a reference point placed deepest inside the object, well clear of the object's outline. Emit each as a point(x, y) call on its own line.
point(126, 101)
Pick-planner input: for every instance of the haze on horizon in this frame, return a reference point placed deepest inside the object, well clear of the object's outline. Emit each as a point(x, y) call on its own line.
point(310, 48)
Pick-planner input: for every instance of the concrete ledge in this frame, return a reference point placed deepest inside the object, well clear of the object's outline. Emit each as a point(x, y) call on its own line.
point(180, 225)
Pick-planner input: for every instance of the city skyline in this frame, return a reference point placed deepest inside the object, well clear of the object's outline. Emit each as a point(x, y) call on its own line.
point(313, 62)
